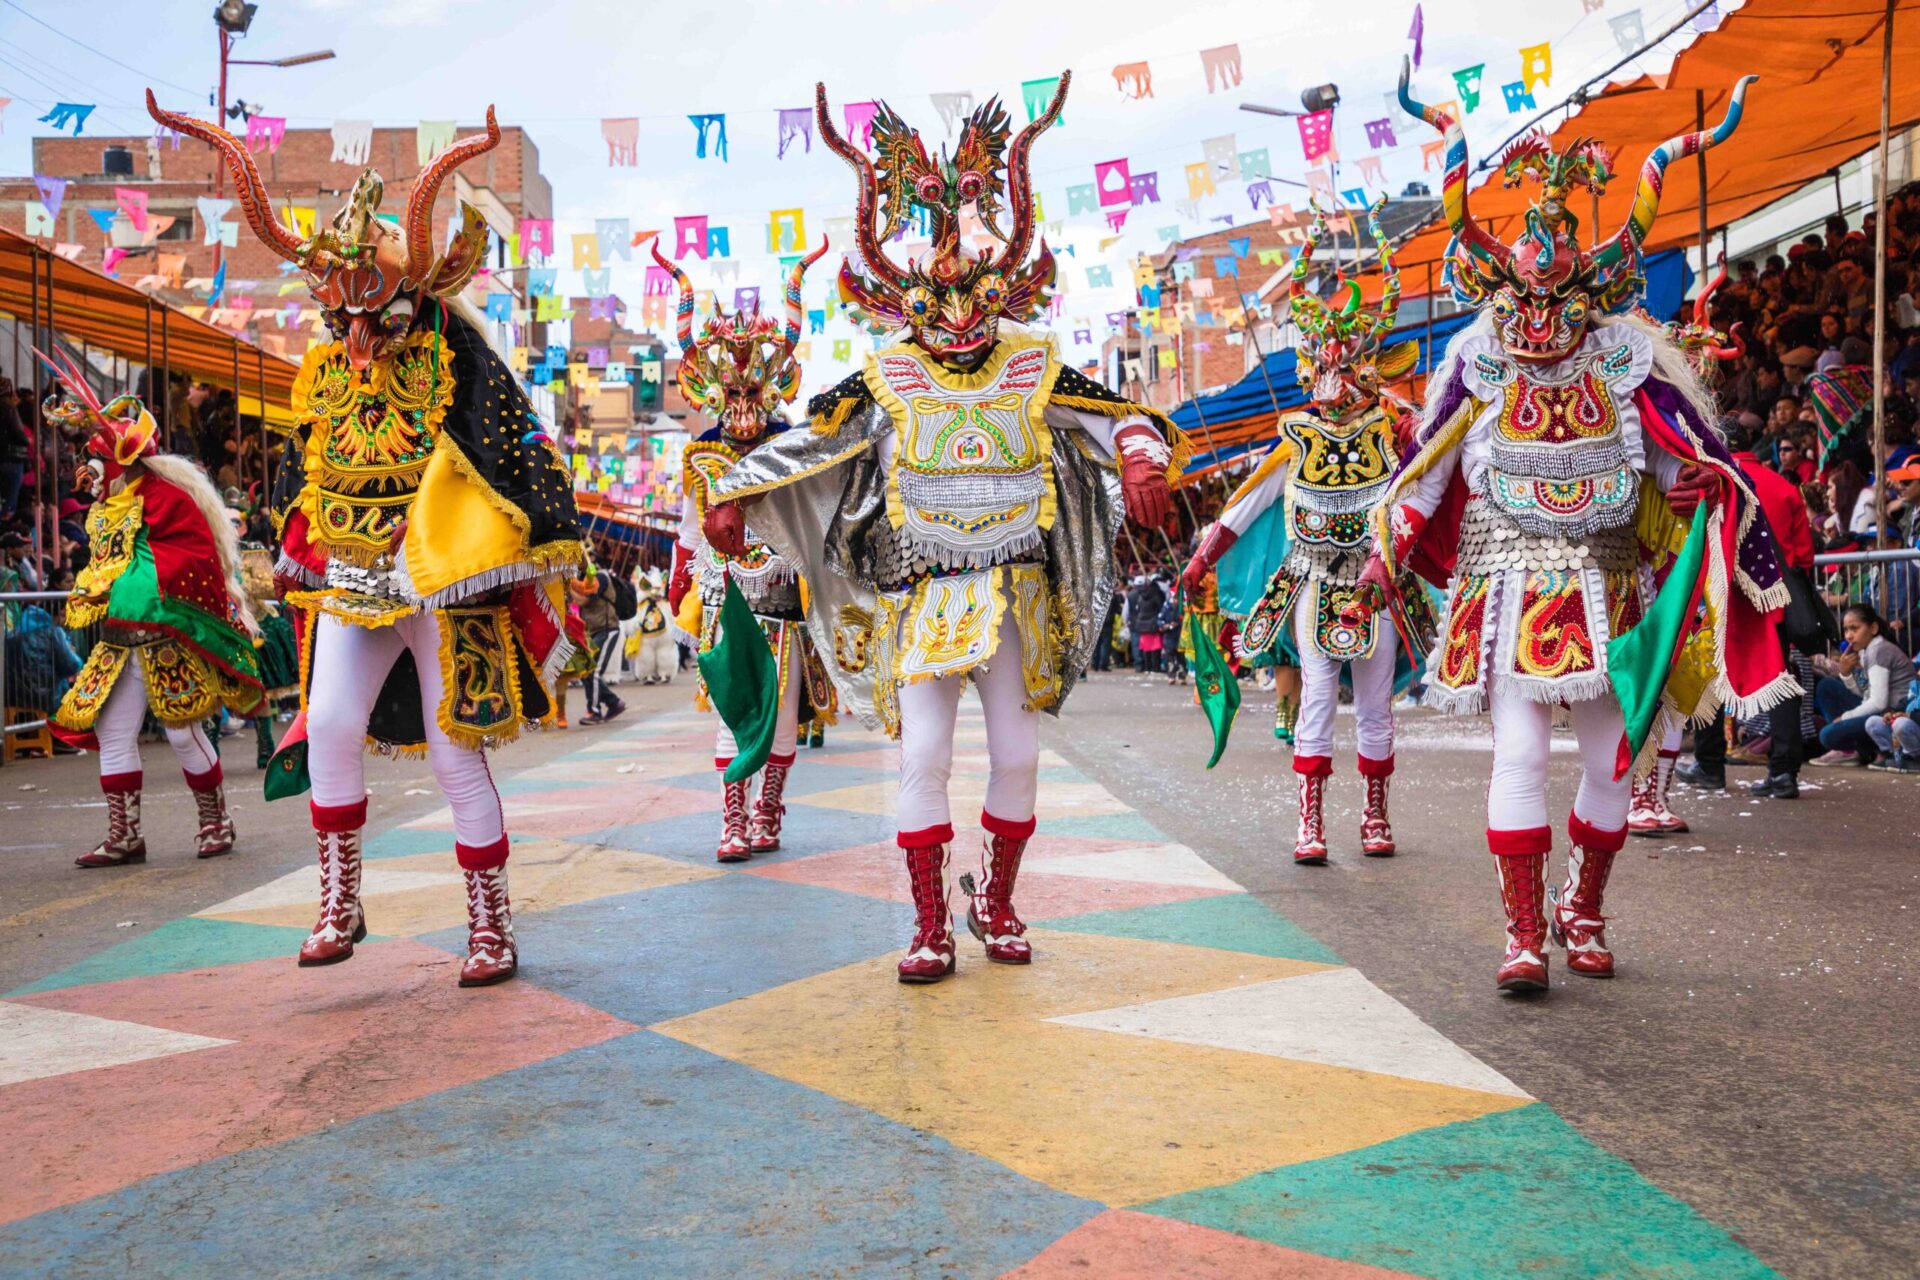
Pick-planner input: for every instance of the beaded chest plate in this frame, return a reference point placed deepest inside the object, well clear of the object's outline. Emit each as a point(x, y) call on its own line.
point(972, 481)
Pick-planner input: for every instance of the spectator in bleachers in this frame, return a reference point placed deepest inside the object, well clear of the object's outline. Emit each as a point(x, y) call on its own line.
point(1870, 677)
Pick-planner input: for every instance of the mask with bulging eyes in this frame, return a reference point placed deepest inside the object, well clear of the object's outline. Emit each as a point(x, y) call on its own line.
point(741, 366)
point(952, 299)
point(369, 274)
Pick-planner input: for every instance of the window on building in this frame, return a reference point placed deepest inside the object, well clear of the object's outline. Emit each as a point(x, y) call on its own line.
point(182, 229)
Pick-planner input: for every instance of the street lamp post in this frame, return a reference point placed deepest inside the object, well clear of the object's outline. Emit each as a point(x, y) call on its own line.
point(232, 19)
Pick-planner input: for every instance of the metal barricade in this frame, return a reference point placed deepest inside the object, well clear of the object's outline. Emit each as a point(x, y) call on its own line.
point(39, 656)
point(1846, 576)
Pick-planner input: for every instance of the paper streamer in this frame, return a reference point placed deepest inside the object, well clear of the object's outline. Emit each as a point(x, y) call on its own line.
point(1114, 181)
point(352, 141)
point(1134, 80)
point(1222, 66)
point(430, 138)
point(622, 136)
point(795, 122)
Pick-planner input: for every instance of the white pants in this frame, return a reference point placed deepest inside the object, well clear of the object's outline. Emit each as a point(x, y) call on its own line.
point(118, 729)
point(1320, 692)
point(349, 665)
point(786, 730)
point(1522, 739)
point(658, 659)
point(928, 709)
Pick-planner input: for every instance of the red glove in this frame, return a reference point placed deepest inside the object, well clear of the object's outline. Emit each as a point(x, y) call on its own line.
point(1696, 484)
point(1143, 475)
point(1371, 594)
point(295, 547)
point(681, 580)
point(1376, 584)
point(725, 528)
point(1216, 544)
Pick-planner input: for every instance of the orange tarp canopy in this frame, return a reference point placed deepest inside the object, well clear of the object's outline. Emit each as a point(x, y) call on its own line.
point(1816, 105)
point(105, 314)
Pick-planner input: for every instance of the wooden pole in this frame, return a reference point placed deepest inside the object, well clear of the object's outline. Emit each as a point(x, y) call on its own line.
point(1878, 331)
point(1700, 163)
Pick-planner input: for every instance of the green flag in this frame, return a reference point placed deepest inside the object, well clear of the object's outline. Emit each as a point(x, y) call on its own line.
point(1214, 680)
point(743, 683)
point(1639, 661)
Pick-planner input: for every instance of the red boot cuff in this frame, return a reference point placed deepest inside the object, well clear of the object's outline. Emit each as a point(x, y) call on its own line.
point(927, 837)
point(114, 784)
point(481, 857)
point(1514, 844)
point(338, 819)
point(1370, 768)
point(205, 782)
point(721, 762)
point(1592, 838)
point(785, 761)
point(1007, 827)
point(1313, 766)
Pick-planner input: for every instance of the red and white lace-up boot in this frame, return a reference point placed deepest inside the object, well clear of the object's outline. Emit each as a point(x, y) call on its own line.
point(929, 956)
point(1376, 834)
point(124, 843)
point(1578, 924)
point(1521, 857)
point(1310, 842)
point(215, 835)
point(763, 829)
point(1670, 823)
point(491, 954)
point(990, 914)
point(1640, 817)
point(734, 846)
point(342, 921)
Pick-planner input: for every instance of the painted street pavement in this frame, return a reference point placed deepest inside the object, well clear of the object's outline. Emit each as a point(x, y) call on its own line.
point(708, 1071)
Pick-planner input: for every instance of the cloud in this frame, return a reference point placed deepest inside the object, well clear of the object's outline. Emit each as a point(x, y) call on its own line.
point(390, 13)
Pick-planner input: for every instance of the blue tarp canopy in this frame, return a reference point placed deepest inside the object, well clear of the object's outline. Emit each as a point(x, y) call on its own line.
point(1249, 403)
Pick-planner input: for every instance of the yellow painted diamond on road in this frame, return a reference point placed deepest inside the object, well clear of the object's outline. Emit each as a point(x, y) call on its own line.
point(1113, 1117)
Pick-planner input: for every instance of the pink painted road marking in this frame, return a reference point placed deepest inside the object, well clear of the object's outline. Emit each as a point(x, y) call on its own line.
point(1123, 1245)
point(315, 1047)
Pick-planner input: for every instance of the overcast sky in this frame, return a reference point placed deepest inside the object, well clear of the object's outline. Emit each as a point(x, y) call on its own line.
point(557, 68)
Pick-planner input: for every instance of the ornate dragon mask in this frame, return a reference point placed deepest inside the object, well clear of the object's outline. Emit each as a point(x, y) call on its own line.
point(1705, 346)
point(741, 367)
point(1339, 359)
point(952, 302)
point(119, 433)
point(367, 276)
point(1544, 288)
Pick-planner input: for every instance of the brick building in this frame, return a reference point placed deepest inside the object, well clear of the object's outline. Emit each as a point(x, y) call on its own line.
point(506, 185)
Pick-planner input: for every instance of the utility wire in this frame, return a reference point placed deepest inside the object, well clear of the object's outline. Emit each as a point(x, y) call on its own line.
point(125, 66)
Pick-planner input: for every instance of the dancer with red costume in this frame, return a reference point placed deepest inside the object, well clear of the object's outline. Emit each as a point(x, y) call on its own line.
point(163, 582)
point(1562, 435)
point(427, 528)
point(953, 506)
point(741, 370)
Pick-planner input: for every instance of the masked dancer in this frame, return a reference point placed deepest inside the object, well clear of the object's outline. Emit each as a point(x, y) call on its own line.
point(163, 583)
point(740, 370)
point(1563, 443)
point(1320, 480)
point(427, 527)
point(953, 506)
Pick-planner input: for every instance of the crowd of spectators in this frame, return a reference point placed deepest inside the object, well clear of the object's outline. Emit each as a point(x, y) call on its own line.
point(1800, 400)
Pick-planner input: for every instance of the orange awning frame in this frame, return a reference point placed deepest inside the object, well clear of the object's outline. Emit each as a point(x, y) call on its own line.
point(104, 314)
point(1816, 106)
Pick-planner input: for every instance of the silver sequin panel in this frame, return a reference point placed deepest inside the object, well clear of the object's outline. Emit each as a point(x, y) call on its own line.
point(1490, 541)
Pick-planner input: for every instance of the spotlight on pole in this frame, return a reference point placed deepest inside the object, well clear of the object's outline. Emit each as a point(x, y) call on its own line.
point(1322, 97)
point(235, 16)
